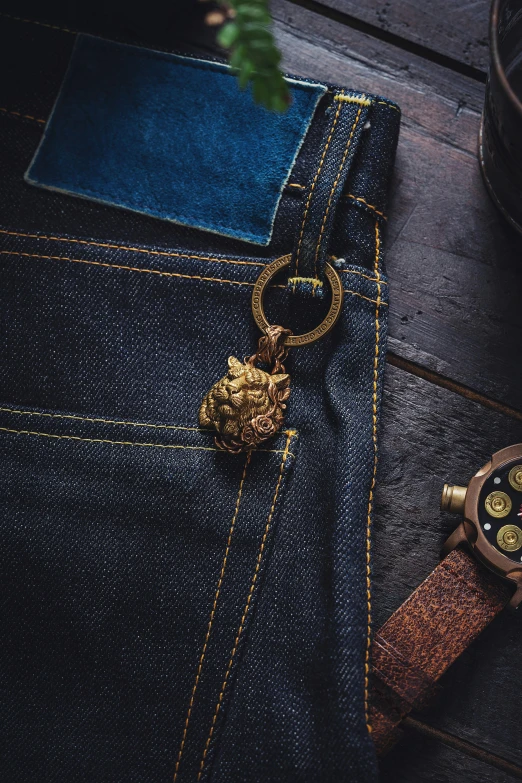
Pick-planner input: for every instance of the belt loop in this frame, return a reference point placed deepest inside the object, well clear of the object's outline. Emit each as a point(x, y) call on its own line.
point(349, 112)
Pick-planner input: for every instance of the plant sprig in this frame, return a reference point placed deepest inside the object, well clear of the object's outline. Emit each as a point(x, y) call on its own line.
point(254, 54)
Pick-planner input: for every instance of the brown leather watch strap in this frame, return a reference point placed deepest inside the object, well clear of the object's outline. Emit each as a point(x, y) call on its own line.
point(425, 635)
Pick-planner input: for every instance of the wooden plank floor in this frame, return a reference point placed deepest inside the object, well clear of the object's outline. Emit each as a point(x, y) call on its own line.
point(453, 385)
point(453, 390)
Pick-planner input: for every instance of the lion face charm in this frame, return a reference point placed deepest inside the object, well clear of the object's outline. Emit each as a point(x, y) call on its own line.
point(245, 407)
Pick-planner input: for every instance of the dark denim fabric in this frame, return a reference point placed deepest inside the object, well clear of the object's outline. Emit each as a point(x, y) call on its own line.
point(171, 137)
point(166, 606)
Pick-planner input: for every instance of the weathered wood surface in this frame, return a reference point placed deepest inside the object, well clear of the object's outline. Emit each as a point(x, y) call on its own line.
point(429, 436)
point(456, 285)
point(451, 28)
point(455, 267)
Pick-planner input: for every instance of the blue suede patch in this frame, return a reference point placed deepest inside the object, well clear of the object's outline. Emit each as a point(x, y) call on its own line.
point(172, 137)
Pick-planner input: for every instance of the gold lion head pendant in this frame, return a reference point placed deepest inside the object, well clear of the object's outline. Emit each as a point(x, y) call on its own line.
point(245, 407)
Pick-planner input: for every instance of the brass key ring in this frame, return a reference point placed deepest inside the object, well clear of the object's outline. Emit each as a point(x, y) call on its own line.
point(324, 327)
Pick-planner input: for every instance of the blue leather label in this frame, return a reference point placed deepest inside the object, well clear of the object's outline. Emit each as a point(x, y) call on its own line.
point(172, 137)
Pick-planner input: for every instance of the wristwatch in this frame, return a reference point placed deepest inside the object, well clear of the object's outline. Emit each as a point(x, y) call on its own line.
point(479, 574)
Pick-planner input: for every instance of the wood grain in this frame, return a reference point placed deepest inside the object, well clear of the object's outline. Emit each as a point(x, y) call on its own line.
point(453, 29)
point(455, 266)
point(430, 435)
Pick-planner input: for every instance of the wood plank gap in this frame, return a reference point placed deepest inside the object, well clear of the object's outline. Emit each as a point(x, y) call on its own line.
point(463, 746)
point(446, 383)
point(392, 38)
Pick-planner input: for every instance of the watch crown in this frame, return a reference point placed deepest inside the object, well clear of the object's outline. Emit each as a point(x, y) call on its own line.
point(453, 499)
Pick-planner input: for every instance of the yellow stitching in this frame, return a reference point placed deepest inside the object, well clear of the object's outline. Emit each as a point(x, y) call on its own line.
point(132, 249)
point(246, 609)
point(122, 266)
point(19, 114)
point(212, 615)
point(307, 206)
point(367, 298)
point(389, 105)
point(310, 280)
point(345, 195)
point(40, 24)
point(352, 99)
point(370, 206)
point(101, 421)
point(150, 271)
point(372, 486)
point(334, 188)
point(129, 443)
point(361, 274)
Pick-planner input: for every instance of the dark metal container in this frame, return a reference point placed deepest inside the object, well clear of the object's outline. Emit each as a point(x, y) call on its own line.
point(500, 148)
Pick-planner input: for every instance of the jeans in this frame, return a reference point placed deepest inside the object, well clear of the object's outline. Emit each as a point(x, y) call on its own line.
point(171, 611)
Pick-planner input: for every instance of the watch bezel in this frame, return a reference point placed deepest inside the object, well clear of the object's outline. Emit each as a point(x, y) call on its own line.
point(483, 549)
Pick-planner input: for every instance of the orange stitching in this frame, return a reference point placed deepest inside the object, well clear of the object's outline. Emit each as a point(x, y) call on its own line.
point(40, 24)
point(372, 486)
point(19, 114)
point(125, 247)
point(246, 609)
point(295, 185)
point(211, 620)
point(149, 271)
point(370, 206)
point(334, 187)
point(101, 421)
point(325, 150)
point(122, 266)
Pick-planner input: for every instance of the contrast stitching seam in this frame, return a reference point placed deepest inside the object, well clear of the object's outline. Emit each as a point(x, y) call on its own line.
point(334, 188)
point(131, 249)
point(312, 188)
point(246, 609)
point(123, 266)
point(127, 442)
point(101, 421)
point(389, 105)
point(370, 206)
point(40, 24)
point(150, 271)
point(353, 99)
point(23, 116)
point(346, 195)
point(211, 619)
point(372, 486)
point(361, 274)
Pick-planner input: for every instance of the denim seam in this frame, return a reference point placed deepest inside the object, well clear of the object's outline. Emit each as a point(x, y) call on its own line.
point(211, 619)
point(345, 195)
point(131, 443)
point(312, 187)
point(353, 99)
point(153, 271)
point(40, 24)
point(172, 254)
point(109, 246)
point(372, 485)
point(336, 181)
point(22, 116)
point(100, 421)
point(247, 605)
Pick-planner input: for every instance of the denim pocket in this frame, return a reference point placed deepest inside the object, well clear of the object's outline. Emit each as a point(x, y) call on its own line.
point(132, 557)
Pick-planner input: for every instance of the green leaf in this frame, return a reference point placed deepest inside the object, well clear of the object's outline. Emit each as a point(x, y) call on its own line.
point(228, 35)
point(254, 54)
